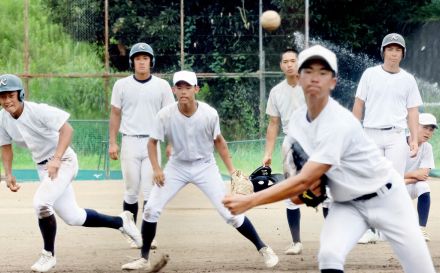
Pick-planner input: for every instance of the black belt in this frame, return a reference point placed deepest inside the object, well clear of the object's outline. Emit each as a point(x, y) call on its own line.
point(387, 128)
point(43, 162)
point(138, 136)
point(371, 195)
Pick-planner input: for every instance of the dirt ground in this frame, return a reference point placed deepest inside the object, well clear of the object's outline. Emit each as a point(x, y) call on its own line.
point(190, 231)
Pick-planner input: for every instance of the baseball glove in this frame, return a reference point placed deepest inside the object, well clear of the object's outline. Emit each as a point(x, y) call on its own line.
point(240, 184)
point(262, 178)
point(316, 194)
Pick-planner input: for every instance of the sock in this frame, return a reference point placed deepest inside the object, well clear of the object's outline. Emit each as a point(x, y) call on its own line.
point(133, 208)
point(96, 219)
point(148, 232)
point(293, 219)
point(423, 205)
point(48, 228)
point(248, 231)
point(331, 271)
point(325, 212)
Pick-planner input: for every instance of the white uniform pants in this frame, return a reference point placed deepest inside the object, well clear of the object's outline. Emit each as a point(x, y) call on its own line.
point(392, 213)
point(57, 196)
point(392, 144)
point(204, 174)
point(417, 189)
point(136, 168)
point(285, 149)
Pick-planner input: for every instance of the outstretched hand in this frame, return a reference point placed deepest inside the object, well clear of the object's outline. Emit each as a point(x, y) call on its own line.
point(238, 204)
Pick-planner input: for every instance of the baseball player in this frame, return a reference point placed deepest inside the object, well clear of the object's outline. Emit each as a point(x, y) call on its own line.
point(418, 168)
point(391, 99)
point(193, 129)
point(366, 190)
point(135, 101)
point(284, 99)
point(45, 131)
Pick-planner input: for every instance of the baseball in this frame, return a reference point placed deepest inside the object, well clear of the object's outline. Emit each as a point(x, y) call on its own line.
point(270, 20)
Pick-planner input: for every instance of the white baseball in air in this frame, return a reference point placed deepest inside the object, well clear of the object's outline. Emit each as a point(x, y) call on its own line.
point(270, 20)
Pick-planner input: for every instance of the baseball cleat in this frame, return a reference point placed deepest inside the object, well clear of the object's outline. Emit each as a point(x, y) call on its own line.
point(369, 237)
point(425, 234)
point(140, 263)
point(129, 228)
point(270, 258)
point(45, 263)
point(294, 249)
point(153, 244)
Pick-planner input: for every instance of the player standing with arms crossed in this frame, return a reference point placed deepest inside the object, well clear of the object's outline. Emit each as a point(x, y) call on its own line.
point(391, 99)
point(135, 101)
point(366, 189)
point(45, 131)
point(418, 168)
point(192, 127)
point(284, 99)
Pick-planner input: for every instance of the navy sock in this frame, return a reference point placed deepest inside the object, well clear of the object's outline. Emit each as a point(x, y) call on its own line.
point(248, 231)
point(96, 219)
point(133, 208)
point(325, 212)
point(423, 205)
point(148, 231)
point(331, 271)
point(48, 228)
point(293, 218)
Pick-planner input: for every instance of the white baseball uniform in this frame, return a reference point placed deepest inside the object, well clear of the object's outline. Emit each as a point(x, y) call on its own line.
point(387, 97)
point(192, 159)
point(283, 101)
point(423, 160)
point(336, 138)
point(37, 129)
point(139, 102)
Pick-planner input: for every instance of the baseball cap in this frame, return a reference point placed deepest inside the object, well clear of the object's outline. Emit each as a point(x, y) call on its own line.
point(186, 76)
point(428, 119)
point(393, 38)
point(318, 52)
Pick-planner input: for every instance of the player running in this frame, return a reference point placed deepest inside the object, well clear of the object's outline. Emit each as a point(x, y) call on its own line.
point(366, 189)
point(45, 131)
point(193, 129)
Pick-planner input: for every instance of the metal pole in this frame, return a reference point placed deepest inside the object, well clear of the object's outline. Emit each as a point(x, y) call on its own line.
point(182, 33)
point(262, 70)
point(26, 47)
point(106, 83)
point(306, 32)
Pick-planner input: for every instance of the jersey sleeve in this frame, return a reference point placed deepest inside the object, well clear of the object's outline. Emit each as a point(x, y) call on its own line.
point(362, 88)
point(414, 99)
point(5, 138)
point(52, 117)
point(427, 158)
point(215, 126)
point(271, 108)
point(116, 99)
point(158, 128)
point(167, 95)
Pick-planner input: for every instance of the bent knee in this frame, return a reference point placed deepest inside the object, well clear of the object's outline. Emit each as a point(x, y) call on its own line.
point(236, 220)
point(43, 210)
point(151, 214)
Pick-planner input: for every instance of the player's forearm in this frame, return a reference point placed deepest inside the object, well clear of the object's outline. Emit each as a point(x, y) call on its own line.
point(413, 123)
point(65, 138)
point(358, 108)
point(271, 135)
point(7, 157)
point(152, 153)
point(115, 123)
point(223, 151)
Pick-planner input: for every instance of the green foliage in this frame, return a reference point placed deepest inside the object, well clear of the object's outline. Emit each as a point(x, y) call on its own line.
point(429, 12)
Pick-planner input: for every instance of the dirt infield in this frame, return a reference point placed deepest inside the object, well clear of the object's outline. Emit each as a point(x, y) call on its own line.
point(190, 231)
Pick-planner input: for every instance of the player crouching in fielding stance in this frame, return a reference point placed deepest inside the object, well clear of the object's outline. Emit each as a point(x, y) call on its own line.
point(366, 189)
point(192, 128)
point(44, 130)
point(417, 170)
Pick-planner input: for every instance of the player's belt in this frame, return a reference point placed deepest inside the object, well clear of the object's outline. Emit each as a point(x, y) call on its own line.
point(43, 162)
point(387, 128)
point(371, 195)
point(137, 136)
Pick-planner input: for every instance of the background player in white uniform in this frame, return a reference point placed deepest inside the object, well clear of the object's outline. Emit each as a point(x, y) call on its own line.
point(366, 189)
point(44, 130)
point(391, 99)
point(193, 129)
point(418, 168)
point(284, 98)
point(135, 101)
